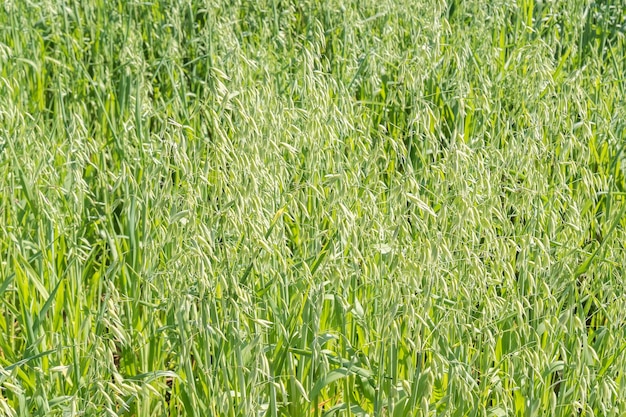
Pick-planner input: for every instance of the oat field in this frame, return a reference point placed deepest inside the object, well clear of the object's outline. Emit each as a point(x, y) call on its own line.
point(313, 208)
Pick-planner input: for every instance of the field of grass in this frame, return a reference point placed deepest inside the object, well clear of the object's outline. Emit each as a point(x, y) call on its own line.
point(313, 208)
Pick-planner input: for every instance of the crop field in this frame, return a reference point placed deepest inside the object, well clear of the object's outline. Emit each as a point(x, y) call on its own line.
point(293, 208)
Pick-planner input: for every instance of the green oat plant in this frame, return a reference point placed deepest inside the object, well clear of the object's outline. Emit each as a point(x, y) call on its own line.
point(313, 208)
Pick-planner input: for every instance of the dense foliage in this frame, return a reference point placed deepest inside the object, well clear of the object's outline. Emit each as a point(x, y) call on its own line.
point(313, 207)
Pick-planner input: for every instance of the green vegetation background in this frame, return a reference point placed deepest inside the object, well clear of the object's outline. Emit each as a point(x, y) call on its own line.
point(294, 208)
